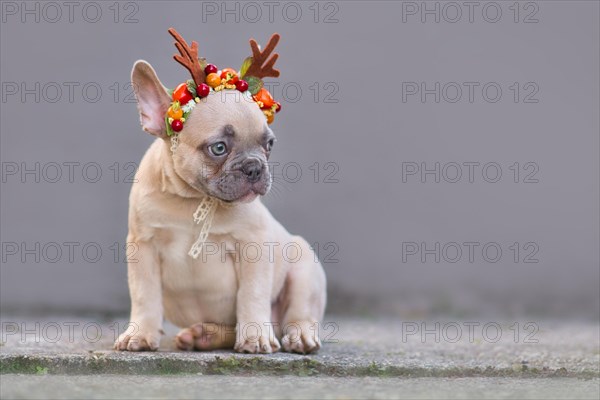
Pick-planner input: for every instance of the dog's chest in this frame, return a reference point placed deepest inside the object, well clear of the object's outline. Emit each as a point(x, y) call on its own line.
point(202, 289)
point(213, 270)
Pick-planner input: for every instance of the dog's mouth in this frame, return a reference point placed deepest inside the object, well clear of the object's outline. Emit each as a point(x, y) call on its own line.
point(234, 187)
point(250, 195)
point(243, 193)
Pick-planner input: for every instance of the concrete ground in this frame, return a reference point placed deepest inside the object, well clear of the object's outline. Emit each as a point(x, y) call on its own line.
point(71, 357)
point(290, 387)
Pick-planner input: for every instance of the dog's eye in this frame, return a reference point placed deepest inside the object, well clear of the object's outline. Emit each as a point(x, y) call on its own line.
point(218, 149)
point(270, 144)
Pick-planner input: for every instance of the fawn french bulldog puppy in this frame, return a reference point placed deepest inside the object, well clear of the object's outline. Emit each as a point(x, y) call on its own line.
point(243, 292)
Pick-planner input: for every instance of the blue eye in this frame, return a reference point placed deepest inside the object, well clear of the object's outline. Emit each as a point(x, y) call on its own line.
point(270, 144)
point(218, 149)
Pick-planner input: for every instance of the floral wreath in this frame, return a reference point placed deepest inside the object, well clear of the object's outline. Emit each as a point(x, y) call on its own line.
point(207, 78)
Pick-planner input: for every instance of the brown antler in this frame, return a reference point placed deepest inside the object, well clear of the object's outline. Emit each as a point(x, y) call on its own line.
point(261, 67)
point(188, 57)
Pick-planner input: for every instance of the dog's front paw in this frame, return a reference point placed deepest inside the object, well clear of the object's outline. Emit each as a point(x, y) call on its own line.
point(249, 341)
point(138, 340)
point(254, 345)
point(301, 337)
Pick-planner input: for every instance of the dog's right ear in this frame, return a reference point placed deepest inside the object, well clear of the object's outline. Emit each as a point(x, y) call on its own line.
point(152, 98)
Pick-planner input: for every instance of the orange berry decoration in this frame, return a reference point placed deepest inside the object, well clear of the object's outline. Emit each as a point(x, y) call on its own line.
point(213, 80)
point(175, 111)
point(264, 97)
point(270, 119)
point(230, 75)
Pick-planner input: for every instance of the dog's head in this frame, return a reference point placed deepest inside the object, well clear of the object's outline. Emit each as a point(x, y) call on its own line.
point(225, 143)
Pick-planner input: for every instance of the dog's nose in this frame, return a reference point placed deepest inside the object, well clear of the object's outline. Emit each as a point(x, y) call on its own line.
point(252, 168)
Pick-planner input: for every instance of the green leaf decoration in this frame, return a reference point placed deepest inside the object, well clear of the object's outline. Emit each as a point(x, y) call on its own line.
point(245, 65)
point(254, 84)
point(170, 92)
point(203, 62)
point(169, 129)
point(191, 86)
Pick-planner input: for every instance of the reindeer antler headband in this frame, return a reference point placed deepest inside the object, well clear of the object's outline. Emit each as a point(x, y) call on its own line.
point(207, 78)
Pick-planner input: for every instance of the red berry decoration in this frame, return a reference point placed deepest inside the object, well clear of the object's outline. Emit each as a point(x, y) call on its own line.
point(277, 106)
point(202, 90)
point(241, 85)
point(177, 125)
point(182, 94)
point(210, 69)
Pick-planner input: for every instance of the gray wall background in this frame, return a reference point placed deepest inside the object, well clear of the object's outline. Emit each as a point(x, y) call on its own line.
point(369, 132)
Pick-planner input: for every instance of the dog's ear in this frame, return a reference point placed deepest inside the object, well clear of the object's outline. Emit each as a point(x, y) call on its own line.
point(152, 98)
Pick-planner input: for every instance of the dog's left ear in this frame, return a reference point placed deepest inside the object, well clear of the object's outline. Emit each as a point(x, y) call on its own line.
point(152, 97)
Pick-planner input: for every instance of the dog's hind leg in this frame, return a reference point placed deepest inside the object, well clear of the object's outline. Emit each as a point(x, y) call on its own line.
point(206, 336)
